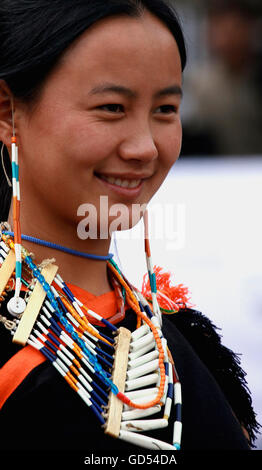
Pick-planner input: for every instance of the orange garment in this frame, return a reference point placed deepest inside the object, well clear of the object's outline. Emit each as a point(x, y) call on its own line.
point(24, 361)
point(105, 304)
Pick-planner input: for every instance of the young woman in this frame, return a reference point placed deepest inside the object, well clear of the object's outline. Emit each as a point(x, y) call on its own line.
point(90, 95)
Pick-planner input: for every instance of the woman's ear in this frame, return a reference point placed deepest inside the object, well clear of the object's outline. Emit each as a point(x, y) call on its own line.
point(6, 126)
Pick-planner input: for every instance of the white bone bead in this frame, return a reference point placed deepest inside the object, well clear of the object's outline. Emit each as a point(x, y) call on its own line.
point(177, 432)
point(141, 393)
point(149, 264)
point(18, 190)
point(58, 282)
point(168, 406)
point(141, 382)
point(143, 359)
point(154, 300)
point(18, 251)
point(85, 383)
point(89, 343)
point(158, 381)
point(37, 333)
point(64, 358)
point(3, 254)
point(63, 348)
point(62, 365)
point(34, 342)
point(136, 414)
point(5, 248)
point(54, 292)
point(141, 342)
point(141, 401)
point(141, 352)
point(144, 425)
point(42, 328)
point(59, 278)
point(142, 370)
point(178, 393)
point(141, 298)
point(60, 370)
point(164, 346)
point(72, 319)
point(163, 398)
point(49, 306)
point(170, 373)
point(14, 187)
point(78, 309)
point(144, 329)
point(44, 319)
point(84, 396)
point(144, 441)
point(155, 322)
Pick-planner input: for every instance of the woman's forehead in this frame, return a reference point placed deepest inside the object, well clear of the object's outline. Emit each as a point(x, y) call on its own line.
point(122, 33)
point(124, 45)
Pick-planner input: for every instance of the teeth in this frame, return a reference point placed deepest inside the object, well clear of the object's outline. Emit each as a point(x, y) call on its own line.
point(122, 183)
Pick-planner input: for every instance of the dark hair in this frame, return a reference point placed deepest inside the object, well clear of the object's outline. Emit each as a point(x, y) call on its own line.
point(35, 33)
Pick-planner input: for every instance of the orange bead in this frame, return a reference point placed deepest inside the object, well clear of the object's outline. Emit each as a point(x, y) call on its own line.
point(16, 209)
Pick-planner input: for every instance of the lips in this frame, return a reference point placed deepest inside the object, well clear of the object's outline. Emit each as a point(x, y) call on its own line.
point(121, 182)
point(124, 187)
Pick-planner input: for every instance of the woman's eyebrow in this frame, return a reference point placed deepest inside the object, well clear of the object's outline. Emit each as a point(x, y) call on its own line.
point(111, 87)
point(119, 89)
point(171, 90)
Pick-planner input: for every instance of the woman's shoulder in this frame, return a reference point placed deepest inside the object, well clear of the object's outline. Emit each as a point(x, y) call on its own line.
point(201, 335)
point(224, 364)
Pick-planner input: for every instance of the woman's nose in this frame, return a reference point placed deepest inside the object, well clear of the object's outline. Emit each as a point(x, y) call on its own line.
point(139, 145)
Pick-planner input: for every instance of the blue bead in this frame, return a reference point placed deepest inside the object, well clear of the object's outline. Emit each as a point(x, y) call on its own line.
point(177, 446)
point(114, 388)
point(99, 369)
point(170, 390)
point(98, 398)
point(148, 311)
point(97, 405)
point(178, 412)
point(53, 339)
point(98, 415)
point(54, 303)
point(107, 323)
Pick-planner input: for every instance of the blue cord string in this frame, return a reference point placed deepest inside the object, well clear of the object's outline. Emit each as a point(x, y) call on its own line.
point(38, 241)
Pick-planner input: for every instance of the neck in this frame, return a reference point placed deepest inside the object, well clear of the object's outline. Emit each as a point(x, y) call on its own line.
point(88, 274)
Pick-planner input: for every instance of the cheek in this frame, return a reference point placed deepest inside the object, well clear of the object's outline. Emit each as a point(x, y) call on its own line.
point(170, 146)
point(87, 141)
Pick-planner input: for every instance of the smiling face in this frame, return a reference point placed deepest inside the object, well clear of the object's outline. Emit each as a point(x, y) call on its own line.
point(107, 122)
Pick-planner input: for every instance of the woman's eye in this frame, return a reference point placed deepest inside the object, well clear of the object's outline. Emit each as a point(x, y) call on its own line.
point(112, 108)
point(167, 109)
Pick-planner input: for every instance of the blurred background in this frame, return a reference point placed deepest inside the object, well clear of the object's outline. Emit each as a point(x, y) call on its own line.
point(222, 107)
point(205, 221)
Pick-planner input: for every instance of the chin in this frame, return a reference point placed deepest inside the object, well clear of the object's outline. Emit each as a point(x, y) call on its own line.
point(127, 218)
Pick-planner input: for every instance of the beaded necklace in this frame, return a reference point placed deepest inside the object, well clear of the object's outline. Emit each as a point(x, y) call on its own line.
point(122, 391)
point(55, 246)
